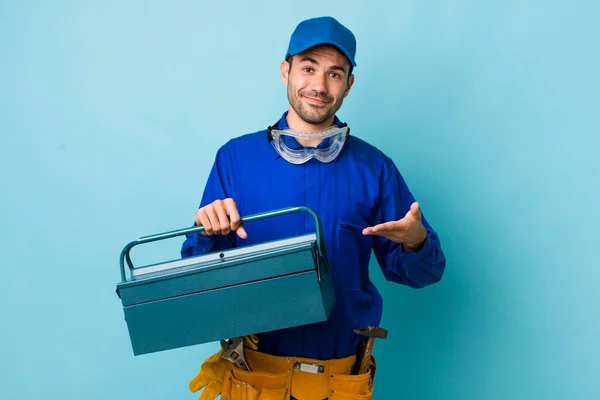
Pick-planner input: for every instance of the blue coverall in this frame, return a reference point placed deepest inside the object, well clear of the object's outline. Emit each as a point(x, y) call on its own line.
point(362, 187)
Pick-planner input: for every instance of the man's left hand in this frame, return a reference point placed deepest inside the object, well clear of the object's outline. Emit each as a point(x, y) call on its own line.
point(409, 231)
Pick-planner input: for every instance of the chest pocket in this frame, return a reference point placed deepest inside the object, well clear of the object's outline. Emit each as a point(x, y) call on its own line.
point(353, 250)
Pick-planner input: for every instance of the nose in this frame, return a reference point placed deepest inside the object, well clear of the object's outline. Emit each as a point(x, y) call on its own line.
point(319, 83)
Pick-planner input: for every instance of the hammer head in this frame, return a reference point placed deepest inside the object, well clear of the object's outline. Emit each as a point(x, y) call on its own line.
point(372, 332)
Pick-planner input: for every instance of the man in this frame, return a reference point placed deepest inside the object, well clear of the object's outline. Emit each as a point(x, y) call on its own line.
point(308, 158)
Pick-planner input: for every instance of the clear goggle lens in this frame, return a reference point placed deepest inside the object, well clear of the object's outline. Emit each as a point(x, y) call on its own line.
point(333, 140)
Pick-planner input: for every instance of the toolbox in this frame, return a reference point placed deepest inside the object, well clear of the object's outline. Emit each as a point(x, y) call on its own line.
point(245, 290)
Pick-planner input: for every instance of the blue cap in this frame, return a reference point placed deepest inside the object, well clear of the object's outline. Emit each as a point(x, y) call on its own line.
point(322, 30)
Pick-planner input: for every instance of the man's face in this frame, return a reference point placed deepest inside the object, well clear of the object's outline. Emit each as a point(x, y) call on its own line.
point(317, 82)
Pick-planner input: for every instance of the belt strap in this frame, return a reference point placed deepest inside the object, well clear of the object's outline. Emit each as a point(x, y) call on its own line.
point(300, 377)
point(262, 362)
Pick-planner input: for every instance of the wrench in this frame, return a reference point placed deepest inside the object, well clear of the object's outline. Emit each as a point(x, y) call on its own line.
point(233, 350)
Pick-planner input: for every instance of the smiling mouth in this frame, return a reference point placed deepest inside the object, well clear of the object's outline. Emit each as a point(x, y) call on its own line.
point(315, 101)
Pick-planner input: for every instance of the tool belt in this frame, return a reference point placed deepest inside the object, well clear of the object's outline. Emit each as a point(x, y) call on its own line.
point(276, 378)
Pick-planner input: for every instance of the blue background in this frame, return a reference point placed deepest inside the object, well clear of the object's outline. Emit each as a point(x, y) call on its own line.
point(111, 113)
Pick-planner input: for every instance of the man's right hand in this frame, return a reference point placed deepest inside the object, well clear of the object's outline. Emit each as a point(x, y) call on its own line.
point(219, 218)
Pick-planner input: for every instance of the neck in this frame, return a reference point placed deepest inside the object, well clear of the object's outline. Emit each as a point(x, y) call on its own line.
point(298, 124)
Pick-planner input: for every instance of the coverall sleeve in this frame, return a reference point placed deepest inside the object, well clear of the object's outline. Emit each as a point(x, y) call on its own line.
point(216, 189)
point(416, 269)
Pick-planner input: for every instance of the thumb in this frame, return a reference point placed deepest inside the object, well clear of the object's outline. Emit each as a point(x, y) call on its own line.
point(241, 232)
point(415, 211)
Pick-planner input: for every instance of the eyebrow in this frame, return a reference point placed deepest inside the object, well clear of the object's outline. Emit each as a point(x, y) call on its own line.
point(313, 61)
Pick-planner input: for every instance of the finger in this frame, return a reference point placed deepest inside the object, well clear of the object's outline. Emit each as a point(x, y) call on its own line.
point(221, 212)
point(212, 216)
point(197, 217)
point(415, 211)
point(204, 221)
point(241, 232)
point(233, 214)
point(380, 229)
point(212, 390)
point(385, 227)
point(235, 219)
point(385, 234)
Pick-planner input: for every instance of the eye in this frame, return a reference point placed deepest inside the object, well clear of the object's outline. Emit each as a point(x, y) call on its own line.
point(307, 69)
point(335, 75)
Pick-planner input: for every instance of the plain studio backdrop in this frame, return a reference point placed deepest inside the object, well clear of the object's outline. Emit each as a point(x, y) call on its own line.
point(110, 116)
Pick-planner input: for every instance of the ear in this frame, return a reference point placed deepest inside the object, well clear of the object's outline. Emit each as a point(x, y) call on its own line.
point(285, 71)
point(350, 83)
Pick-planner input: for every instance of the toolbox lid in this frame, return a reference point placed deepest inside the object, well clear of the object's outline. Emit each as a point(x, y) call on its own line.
point(220, 269)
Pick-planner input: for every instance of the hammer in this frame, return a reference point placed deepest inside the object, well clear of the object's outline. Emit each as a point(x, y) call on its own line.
point(371, 332)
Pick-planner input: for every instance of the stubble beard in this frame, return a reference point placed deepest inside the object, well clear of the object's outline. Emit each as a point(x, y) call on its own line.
point(313, 117)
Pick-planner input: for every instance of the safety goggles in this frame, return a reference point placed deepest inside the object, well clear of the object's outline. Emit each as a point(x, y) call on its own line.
point(332, 143)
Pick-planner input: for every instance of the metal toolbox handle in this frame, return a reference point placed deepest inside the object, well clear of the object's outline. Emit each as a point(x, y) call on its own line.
point(255, 217)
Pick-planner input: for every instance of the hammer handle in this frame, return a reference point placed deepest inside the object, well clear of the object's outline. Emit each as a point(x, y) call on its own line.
point(366, 357)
